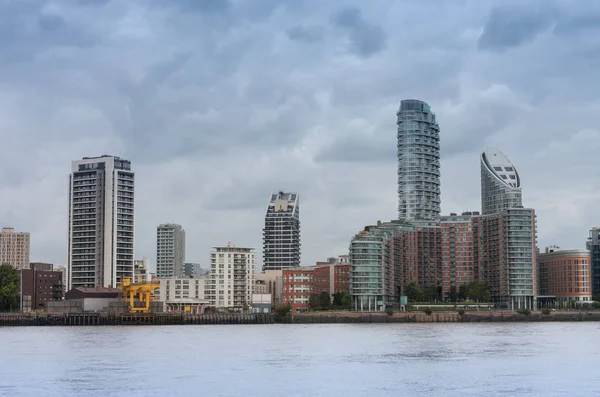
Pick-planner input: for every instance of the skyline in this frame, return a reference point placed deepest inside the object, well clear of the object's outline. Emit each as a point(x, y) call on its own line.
point(167, 107)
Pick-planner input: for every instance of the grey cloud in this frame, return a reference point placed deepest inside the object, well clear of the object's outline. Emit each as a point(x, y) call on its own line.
point(358, 149)
point(366, 39)
point(309, 34)
point(510, 26)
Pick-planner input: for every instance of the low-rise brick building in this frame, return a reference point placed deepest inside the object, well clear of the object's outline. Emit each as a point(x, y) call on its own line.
point(40, 284)
point(564, 275)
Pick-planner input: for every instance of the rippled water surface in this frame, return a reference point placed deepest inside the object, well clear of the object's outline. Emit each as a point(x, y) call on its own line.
point(294, 360)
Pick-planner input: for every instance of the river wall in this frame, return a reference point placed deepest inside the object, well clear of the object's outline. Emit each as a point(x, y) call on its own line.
point(88, 319)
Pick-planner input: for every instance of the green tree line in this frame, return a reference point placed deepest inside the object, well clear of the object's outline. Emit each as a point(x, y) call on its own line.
point(9, 287)
point(475, 291)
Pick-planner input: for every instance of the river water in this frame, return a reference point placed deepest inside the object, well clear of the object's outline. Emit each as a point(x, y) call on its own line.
point(531, 359)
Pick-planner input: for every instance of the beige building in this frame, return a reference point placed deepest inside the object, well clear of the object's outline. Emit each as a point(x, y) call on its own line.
point(231, 277)
point(170, 250)
point(14, 248)
point(183, 294)
point(269, 282)
point(141, 270)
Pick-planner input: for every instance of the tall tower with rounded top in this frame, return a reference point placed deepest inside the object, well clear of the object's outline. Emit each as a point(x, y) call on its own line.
point(500, 183)
point(418, 162)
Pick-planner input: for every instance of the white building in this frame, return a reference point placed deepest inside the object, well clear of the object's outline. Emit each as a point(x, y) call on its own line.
point(170, 250)
point(101, 222)
point(231, 277)
point(183, 294)
point(14, 248)
point(281, 235)
point(141, 271)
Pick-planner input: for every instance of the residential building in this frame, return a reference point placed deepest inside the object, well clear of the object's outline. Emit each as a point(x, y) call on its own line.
point(14, 248)
point(101, 222)
point(63, 271)
point(170, 251)
point(141, 271)
point(564, 275)
point(418, 162)
point(183, 294)
point(593, 245)
point(500, 183)
point(269, 282)
point(297, 288)
point(281, 235)
point(231, 277)
point(40, 284)
point(331, 276)
point(459, 250)
point(194, 270)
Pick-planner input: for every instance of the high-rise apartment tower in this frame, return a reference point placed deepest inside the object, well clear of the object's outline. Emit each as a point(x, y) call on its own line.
point(14, 248)
point(281, 235)
point(101, 222)
point(418, 162)
point(170, 250)
point(500, 183)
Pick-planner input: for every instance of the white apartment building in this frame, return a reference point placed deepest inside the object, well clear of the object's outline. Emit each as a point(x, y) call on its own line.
point(101, 222)
point(141, 271)
point(14, 248)
point(231, 277)
point(170, 250)
point(177, 294)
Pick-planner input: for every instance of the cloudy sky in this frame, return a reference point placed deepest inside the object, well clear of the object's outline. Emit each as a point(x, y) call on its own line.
point(217, 103)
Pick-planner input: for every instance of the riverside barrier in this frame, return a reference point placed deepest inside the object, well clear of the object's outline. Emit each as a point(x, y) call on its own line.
point(88, 319)
point(100, 319)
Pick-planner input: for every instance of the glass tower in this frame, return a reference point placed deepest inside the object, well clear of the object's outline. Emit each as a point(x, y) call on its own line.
point(418, 162)
point(500, 183)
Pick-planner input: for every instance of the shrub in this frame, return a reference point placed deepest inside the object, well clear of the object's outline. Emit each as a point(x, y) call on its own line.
point(523, 311)
point(389, 312)
point(545, 311)
point(461, 311)
point(409, 308)
point(282, 310)
point(427, 311)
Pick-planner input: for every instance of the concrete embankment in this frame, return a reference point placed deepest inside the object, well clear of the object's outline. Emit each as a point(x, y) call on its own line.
point(86, 319)
point(440, 317)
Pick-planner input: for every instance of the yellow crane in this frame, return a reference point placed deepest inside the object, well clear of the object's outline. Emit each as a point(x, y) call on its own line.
point(142, 291)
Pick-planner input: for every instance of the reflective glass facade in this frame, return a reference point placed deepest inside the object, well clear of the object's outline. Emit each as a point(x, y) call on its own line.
point(500, 183)
point(418, 162)
point(593, 244)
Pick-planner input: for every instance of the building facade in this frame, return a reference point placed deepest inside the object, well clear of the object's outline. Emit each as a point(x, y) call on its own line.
point(101, 222)
point(281, 235)
point(231, 277)
point(564, 275)
point(418, 162)
point(14, 248)
point(500, 183)
point(183, 294)
point(297, 288)
point(194, 270)
point(170, 251)
point(331, 277)
point(270, 282)
point(40, 283)
point(141, 271)
point(593, 245)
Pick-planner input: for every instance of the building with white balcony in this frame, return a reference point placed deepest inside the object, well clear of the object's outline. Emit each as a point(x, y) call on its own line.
point(231, 277)
point(101, 222)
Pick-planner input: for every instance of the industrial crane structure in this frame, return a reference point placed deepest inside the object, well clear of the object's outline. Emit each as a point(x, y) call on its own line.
point(139, 295)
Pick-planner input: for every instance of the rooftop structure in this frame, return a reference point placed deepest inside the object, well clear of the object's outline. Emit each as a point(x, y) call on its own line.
point(500, 183)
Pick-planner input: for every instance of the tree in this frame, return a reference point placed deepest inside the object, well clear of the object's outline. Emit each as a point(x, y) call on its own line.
point(9, 287)
point(337, 298)
point(324, 300)
point(462, 292)
point(479, 291)
point(346, 301)
point(313, 302)
point(596, 297)
point(452, 294)
point(414, 293)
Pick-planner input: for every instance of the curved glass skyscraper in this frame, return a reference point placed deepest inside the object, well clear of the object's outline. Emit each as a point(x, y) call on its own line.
point(418, 162)
point(500, 183)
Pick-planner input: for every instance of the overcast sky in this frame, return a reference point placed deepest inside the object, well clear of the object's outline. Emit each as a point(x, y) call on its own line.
point(218, 103)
